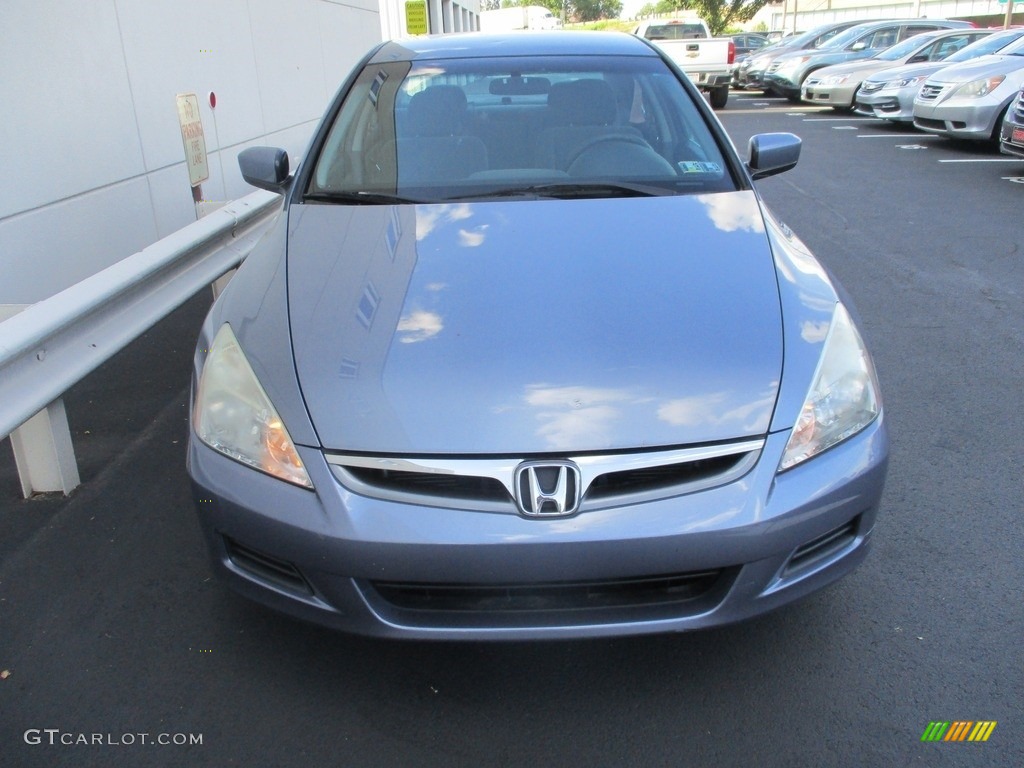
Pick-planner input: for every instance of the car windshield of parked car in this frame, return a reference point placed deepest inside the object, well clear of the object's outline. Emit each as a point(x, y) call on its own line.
point(821, 35)
point(473, 128)
point(1013, 49)
point(988, 44)
point(907, 47)
point(843, 39)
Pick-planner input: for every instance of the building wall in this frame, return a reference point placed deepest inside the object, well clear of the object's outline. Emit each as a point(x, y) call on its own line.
point(94, 160)
point(810, 13)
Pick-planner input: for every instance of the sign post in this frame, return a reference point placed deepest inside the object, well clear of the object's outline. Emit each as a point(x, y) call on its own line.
point(194, 142)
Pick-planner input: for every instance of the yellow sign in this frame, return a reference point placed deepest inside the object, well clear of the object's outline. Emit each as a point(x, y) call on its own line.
point(416, 17)
point(193, 139)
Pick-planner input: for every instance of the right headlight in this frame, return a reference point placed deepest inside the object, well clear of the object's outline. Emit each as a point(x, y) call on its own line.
point(843, 398)
point(234, 416)
point(978, 88)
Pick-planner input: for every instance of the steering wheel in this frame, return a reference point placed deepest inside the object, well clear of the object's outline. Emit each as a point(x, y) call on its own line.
point(614, 139)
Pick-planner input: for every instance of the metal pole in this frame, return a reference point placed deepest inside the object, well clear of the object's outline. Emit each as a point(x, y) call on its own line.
point(1008, 21)
point(794, 16)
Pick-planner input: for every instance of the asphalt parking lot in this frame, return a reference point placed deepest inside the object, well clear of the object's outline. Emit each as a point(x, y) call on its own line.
point(111, 625)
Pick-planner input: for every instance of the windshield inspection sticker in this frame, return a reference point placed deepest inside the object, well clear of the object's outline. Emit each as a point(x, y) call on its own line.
point(687, 167)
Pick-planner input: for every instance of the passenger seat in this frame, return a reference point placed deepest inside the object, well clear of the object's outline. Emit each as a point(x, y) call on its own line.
point(433, 145)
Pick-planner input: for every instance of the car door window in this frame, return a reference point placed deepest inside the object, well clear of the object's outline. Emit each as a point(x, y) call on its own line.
point(946, 47)
point(917, 29)
point(881, 38)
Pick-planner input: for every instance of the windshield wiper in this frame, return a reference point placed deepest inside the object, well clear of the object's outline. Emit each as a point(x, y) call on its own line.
point(361, 198)
point(573, 190)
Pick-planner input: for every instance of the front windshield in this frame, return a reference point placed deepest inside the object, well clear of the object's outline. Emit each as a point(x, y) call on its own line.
point(844, 38)
point(537, 126)
point(989, 44)
point(798, 41)
point(1014, 49)
point(905, 48)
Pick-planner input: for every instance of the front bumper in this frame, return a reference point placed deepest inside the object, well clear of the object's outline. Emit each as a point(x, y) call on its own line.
point(960, 118)
point(896, 104)
point(1011, 134)
point(390, 568)
point(840, 96)
point(782, 84)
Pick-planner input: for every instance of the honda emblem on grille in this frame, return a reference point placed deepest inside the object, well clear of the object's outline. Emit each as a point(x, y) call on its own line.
point(547, 488)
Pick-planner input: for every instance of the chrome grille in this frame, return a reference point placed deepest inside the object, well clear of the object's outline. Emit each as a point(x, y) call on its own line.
point(1018, 112)
point(931, 91)
point(488, 484)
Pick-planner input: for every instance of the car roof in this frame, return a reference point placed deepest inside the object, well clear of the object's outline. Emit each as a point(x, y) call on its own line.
point(545, 43)
point(952, 23)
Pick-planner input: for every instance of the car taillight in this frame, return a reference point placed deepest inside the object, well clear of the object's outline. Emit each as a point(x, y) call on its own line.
point(732, 52)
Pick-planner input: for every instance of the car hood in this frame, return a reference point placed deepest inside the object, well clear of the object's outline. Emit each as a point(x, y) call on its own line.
point(906, 71)
point(985, 66)
point(862, 67)
point(535, 326)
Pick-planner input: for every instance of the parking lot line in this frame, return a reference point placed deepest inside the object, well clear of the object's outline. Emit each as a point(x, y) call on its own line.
point(984, 160)
point(840, 119)
point(897, 136)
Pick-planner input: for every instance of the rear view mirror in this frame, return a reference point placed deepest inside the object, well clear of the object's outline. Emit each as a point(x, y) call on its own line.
point(265, 167)
point(519, 86)
point(772, 153)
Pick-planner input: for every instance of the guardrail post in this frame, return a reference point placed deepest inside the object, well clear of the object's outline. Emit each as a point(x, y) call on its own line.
point(43, 452)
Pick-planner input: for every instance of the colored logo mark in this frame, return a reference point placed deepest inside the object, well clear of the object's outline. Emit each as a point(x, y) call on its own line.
point(959, 730)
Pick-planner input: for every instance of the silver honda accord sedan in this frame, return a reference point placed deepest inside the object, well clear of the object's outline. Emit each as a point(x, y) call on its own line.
point(526, 356)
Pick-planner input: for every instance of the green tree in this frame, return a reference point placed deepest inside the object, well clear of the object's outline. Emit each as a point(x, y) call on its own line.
point(592, 10)
point(720, 14)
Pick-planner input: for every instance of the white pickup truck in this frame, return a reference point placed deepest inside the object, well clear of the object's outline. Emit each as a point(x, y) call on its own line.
point(706, 60)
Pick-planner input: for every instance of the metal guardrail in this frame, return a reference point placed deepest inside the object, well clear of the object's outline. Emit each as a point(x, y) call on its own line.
point(52, 345)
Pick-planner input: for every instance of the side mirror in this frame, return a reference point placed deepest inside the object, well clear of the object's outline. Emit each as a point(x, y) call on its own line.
point(265, 167)
point(772, 153)
point(918, 59)
point(860, 45)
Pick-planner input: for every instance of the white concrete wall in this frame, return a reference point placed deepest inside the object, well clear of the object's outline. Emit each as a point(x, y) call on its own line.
point(94, 164)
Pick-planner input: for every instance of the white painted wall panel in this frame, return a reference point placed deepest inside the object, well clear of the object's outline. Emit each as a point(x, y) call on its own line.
point(346, 36)
point(68, 120)
point(190, 46)
point(289, 62)
point(90, 134)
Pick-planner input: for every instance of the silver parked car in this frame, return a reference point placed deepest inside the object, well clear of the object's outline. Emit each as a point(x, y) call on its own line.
point(787, 73)
point(837, 86)
point(968, 101)
point(890, 94)
point(452, 395)
point(1011, 139)
point(749, 70)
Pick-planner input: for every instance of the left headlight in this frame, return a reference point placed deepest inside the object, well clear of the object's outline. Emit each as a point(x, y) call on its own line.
point(234, 416)
point(905, 82)
point(843, 398)
point(978, 88)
